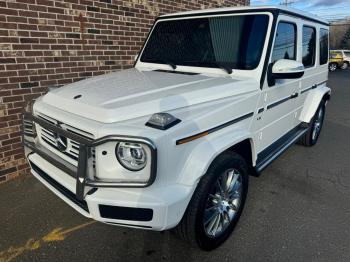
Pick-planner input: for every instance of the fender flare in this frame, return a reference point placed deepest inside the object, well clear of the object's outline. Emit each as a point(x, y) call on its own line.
point(312, 102)
point(205, 152)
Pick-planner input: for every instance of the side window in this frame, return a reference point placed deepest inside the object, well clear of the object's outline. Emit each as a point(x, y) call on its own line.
point(285, 42)
point(309, 46)
point(323, 46)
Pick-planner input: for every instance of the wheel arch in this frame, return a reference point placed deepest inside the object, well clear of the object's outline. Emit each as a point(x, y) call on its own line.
point(197, 164)
point(312, 102)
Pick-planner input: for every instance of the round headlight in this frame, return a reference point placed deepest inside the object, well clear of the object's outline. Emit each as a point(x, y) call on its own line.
point(132, 156)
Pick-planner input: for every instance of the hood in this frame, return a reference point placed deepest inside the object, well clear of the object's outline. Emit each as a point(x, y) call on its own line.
point(134, 93)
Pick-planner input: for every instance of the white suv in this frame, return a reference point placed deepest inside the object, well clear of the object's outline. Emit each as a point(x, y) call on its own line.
point(346, 58)
point(214, 96)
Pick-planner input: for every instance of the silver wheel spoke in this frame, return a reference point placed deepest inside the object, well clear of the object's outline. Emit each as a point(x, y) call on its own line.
point(211, 217)
point(233, 207)
point(234, 195)
point(212, 223)
point(230, 178)
point(233, 182)
point(223, 203)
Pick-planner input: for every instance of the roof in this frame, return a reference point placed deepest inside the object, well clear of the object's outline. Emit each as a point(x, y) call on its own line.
point(284, 9)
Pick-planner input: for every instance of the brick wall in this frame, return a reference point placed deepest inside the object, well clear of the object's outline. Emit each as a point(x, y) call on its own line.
point(51, 43)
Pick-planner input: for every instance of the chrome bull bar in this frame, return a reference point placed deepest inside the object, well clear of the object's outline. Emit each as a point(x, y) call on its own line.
point(80, 172)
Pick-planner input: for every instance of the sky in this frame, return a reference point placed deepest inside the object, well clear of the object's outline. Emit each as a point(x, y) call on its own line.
point(328, 9)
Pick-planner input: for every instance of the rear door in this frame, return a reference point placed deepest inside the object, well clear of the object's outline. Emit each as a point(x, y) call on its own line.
point(314, 56)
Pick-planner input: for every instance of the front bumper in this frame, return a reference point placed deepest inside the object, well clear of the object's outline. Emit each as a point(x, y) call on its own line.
point(150, 208)
point(122, 203)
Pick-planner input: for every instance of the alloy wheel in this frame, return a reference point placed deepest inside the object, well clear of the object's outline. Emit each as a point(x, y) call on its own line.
point(332, 67)
point(223, 203)
point(318, 124)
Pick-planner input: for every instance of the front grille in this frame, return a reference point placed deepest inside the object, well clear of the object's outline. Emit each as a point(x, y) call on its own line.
point(67, 148)
point(28, 128)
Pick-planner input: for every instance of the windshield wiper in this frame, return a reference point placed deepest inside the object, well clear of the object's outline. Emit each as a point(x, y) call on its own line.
point(168, 62)
point(223, 66)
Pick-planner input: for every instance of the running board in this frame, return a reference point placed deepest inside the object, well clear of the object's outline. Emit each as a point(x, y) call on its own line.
point(268, 155)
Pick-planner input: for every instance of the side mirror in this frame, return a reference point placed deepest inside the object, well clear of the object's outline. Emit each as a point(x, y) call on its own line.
point(285, 69)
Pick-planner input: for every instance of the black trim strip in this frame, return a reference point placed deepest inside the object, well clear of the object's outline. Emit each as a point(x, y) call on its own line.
point(274, 104)
point(214, 129)
point(126, 213)
point(295, 95)
point(307, 89)
point(312, 87)
point(68, 194)
point(292, 96)
point(261, 110)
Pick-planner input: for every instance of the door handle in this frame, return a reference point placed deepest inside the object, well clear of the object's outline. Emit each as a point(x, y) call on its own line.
point(314, 86)
point(295, 95)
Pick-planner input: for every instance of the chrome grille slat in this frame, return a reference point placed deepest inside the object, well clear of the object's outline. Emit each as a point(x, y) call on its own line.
point(72, 147)
point(48, 132)
point(50, 139)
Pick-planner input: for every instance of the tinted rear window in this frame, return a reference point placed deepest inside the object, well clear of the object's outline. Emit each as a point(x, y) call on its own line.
point(309, 46)
point(323, 46)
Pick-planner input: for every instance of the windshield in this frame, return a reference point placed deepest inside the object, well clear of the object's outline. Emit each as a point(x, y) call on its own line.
point(227, 41)
point(347, 53)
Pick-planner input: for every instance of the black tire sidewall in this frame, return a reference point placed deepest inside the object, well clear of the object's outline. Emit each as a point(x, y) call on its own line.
point(321, 106)
point(219, 166)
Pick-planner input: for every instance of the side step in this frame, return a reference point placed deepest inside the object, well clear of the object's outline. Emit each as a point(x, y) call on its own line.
point(268, 155)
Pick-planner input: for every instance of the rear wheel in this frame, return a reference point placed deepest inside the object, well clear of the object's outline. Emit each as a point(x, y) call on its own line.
point(345, 65)
point(217, 203)
point(311, 136)
point(333, 67)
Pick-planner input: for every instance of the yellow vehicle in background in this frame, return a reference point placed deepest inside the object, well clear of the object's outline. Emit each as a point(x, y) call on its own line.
point(335, 60)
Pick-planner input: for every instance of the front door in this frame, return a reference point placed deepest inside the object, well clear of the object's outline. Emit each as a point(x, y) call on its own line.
point(277, 106)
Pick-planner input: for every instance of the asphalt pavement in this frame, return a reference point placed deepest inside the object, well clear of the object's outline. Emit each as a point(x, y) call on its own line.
point(297, 210)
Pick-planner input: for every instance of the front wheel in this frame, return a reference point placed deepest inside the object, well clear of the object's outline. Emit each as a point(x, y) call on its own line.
point(333, 67)
point(217, 203)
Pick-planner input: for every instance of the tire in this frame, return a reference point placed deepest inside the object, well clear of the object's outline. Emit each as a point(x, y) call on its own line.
point(345, 66)
point(205, 202)
point(332, 67)
point(312, 135)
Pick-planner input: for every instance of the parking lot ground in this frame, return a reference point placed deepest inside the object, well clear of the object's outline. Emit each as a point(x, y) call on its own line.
point(297, 210)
